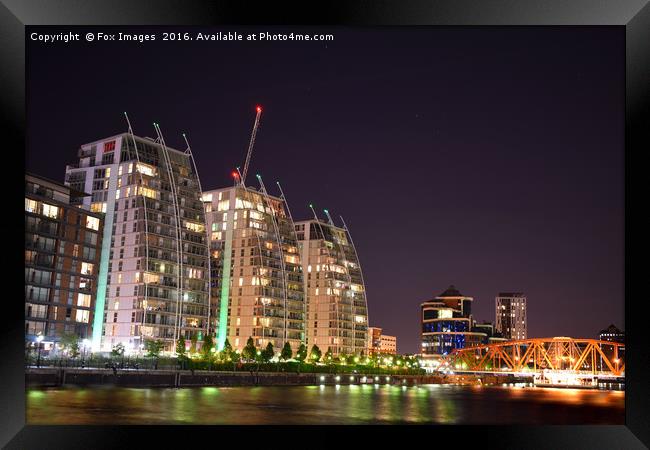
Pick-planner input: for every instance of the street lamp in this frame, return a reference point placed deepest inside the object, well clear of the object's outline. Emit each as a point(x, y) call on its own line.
point(39, 339)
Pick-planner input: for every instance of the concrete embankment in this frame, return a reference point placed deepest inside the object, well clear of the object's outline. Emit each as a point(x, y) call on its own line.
point(44, 377)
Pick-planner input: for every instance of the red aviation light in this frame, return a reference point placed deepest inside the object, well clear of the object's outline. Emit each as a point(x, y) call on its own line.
point(259, 109)
point(234, 174)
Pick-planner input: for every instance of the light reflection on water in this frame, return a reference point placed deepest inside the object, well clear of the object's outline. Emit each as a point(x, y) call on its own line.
point(341, 404)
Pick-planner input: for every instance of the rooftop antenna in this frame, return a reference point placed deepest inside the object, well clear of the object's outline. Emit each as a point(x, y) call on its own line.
point(128, 122)
point(238, 174)
point(329, 218)
point(256, 125)
point(313, 211)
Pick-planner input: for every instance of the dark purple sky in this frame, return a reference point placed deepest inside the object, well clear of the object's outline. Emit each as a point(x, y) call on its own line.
point(488, 158)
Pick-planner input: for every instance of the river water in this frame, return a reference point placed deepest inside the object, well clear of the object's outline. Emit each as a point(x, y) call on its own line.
point(353, 404)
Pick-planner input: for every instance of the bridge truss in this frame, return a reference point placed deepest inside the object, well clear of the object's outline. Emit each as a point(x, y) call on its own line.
point(538, 354)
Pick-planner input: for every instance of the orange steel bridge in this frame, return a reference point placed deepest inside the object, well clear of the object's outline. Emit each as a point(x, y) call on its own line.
point(539, 354)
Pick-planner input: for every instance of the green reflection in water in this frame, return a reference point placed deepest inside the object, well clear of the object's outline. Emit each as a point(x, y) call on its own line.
point(345, 404)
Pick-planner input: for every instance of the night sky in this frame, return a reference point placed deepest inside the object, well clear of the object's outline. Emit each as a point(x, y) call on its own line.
point(487, 158)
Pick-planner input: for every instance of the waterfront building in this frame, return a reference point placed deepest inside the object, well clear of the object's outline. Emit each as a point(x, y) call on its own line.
point(381, 343)
point(612, 334)
point(257, 280)
point(62, 253)
point(491, 335)
point(388, 344)
point(447, 324)
point(337, 310)
point(374, 340)
point(153, 276)
point(511, 317)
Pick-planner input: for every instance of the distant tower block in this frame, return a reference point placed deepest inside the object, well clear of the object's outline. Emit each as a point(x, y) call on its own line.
point(511, 317)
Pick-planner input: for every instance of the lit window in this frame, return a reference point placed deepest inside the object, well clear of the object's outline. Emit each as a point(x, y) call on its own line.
point(92, 223)
point(83, 300)
point(50, 210)
point(82, 316)
point(147, 192)
point(145, 169)
point(194, 226)
point(31, 205)
point(87, 268)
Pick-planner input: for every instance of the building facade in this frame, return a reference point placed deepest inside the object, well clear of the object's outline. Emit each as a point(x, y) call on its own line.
point(62, 257)
point(337, 310)
point(257, 280)
point(488, 328)
point(612, 334)
point(154, 271)
point(388, 344)
point(381, 343)
point(447, 324)
point(374, 340)
point(511, 318)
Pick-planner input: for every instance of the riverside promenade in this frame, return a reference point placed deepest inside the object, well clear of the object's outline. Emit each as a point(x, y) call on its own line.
point(53, 377)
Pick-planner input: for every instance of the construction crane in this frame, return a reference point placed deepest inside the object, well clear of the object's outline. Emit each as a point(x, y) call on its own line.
point(251, 143)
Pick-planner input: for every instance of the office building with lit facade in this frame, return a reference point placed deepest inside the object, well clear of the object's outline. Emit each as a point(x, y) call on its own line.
point(62, 257)
point(511, 320)
point(337, 310)
point(379, 343)
point(612, 334)
point(153, 281)
point(447, 324)
point(257, 279)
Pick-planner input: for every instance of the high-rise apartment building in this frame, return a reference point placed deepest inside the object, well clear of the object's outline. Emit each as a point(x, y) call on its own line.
point(154, 269)
point(337, 311)
point(511, 321)
point(62, 253)
point(448, 324)
point(257, 280)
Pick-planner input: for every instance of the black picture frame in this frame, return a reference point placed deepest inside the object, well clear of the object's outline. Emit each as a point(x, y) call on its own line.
point(634, 15)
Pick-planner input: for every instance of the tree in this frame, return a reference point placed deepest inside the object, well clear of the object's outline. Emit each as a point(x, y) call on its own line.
point(208, 343)
point(302, 353)
point(267, 353)
point(286, 352)
point(118, 350)
point(74, 349)
point(70, 343)
point(153, 348)
point(180, 346)
point(328, 355)
point(180, 351)
point(193, 339)
point(250, 351)
point(227, 347)
point(315, 353)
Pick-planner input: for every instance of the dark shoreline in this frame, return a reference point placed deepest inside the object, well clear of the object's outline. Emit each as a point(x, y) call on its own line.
point(55, 377)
